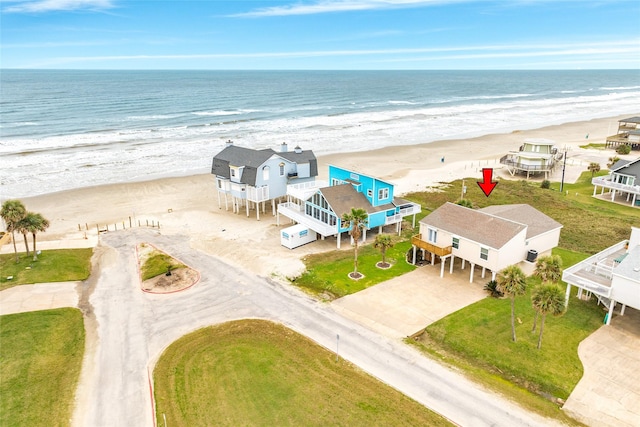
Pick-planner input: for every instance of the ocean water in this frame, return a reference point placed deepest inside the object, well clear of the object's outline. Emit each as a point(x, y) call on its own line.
point(66, 129)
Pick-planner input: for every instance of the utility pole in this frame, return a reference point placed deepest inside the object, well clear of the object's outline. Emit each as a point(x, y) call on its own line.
point(564, 165)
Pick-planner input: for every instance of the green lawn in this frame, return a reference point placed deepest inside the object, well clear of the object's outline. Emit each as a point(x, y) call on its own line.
point(52, 266)
point(259, 373)
point(41, 355)
point(327, 273)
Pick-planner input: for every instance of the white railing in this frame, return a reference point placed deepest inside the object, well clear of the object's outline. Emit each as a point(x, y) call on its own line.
point(296, 213)
point(304, 190)
point(587, 284)
point(393, 219)
point(258, 194)
point(607, 183)
point(411, 210)
point(595, 265)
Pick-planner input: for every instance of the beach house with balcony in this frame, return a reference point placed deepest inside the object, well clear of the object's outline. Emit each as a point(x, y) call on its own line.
point(320, 206)
point(622, 183)
point(612, 275)
point(491, 238)
point(534, 156)
point(628, 134)
point(251, 177)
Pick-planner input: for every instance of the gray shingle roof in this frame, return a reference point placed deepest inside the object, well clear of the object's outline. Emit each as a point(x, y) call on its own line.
point(627, 167)
point(537, 222)
point(481, 227)
point(634, 119)
point(251, 159)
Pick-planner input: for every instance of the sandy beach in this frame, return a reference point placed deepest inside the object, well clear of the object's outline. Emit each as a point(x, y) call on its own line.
point(189, 205)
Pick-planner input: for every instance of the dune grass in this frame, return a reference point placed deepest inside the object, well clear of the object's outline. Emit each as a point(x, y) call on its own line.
point(258, 373)
point(41, 355)
point(59, 265)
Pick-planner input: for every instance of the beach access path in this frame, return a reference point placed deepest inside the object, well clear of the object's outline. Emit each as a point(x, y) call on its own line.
point(132, 329)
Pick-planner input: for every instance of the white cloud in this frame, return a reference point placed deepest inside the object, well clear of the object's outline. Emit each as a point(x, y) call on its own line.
point(328, 6)
point(42, 6)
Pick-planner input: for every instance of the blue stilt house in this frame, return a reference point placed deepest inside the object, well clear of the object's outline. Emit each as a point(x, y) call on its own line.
point(321, 206)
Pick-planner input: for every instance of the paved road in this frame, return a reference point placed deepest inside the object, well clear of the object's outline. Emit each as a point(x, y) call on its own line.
point(133, 328)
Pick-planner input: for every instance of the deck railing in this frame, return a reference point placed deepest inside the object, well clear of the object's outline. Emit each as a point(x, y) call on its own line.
point(505, 160)
point(607, 183)
point(417, 241)
point(295, 212)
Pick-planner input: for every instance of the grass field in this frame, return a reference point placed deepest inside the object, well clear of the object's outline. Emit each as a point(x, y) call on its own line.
point(327, 273)
point(52, 266)
point(41, 355)
point(259, 373)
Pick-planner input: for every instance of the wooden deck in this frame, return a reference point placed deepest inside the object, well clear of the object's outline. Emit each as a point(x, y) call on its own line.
point(430, 247)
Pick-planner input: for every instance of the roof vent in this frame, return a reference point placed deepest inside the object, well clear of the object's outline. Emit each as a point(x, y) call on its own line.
point(283, 147)
point(229, 143)
point(298, 150)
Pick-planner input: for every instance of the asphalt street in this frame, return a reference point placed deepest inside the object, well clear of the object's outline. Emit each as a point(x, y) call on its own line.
point(132, 329)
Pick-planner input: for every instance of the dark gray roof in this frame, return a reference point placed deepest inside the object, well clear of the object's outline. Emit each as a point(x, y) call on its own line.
point(537, 222)
point(251, 159)
point(343, 197)
point(475, 225)
point(305, 156)
point(627, 167)
point(635, 119)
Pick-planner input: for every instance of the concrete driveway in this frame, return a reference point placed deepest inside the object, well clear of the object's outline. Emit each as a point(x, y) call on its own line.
point(609, 393)
point(128, 330)
point(404, 305)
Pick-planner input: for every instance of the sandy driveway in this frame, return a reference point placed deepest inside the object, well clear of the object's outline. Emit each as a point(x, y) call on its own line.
point(133, 328)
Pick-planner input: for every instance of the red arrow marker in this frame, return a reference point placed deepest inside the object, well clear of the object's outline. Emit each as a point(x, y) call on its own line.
point(486, 185)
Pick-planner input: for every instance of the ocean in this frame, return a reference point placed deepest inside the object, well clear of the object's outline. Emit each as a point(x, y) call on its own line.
point(66, 129)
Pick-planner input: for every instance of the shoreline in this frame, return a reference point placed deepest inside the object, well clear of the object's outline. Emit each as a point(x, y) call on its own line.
point(188, 205)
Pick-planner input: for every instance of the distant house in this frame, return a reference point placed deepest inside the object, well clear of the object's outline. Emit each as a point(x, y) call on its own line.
point(628, 134)
point(491, 238)
point(534, 156)
point(612, 275)
point(247, 176)
point(320, 207)
point(623, 180)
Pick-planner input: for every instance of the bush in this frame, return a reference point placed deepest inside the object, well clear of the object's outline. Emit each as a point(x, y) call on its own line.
point(545, 184)
point(623, 149)
point(492, 288)
point(465, 202)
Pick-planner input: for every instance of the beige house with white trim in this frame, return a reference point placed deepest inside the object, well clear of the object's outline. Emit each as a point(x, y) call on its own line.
point(491, 238)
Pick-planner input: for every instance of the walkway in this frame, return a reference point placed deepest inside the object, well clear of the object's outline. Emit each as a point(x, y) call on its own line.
point(41, 296)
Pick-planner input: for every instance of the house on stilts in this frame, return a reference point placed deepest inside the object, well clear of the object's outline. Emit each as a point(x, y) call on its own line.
point(622, 183)
point(250, 178)
point(491, 238)
point(612, 275)
point(320, 206)
point(628, 134)
point(534, 156)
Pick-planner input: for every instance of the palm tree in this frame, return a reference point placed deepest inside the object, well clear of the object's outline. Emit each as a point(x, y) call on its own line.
point(612, 161)
point(33, 223)
point(357, 218)
point(547, 298)
point(512, 282)
point(12, 212)
point(548, 269)
point(383, 242)
point(21, 227)
point(594, 167)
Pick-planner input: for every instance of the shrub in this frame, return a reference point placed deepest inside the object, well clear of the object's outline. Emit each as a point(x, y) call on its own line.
point(465, 202)
point(492, 288)
point(623, 149)
point(545, 184)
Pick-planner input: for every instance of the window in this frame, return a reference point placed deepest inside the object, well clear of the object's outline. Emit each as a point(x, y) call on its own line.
point(432, 235)
point(219, 184)
point(233, 172)
point(484, 253)
point(335, 181)
point(383, 194)
point(456, 243)
point(281, 169)
point(265, 173)
point(370, 193)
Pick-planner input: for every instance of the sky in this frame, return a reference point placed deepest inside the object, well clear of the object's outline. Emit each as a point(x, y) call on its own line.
point(320, 34)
